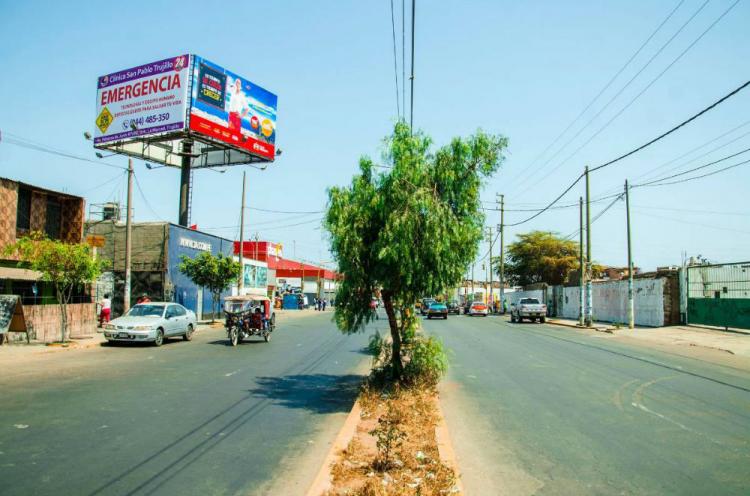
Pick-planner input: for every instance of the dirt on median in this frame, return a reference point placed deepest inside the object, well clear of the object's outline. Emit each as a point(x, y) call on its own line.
point(394, 450)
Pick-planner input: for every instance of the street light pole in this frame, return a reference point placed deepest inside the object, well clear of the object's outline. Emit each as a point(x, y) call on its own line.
point(241, 281)
point(580, 263)
point(502, 253)
point(128, 238)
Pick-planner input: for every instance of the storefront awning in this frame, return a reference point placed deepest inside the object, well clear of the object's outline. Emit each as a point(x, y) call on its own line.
point(16, 274)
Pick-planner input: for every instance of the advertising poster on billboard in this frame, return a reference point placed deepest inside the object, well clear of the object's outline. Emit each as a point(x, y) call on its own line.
point(146, 100)
point(231, 109)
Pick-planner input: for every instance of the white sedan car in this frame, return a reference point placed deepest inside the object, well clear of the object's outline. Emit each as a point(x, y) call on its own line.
point(152, 322)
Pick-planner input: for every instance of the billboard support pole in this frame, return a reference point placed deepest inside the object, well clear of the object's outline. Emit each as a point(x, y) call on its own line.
point(187, 149)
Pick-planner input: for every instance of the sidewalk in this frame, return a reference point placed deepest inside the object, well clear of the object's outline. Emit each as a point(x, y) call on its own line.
point(736, 343)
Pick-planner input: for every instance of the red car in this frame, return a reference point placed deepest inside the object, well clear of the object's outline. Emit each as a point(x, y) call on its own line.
point(478, 308)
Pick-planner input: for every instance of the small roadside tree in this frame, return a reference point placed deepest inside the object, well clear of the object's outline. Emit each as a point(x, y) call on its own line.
point(67, 266)
point(213, 272)
point(410, 229)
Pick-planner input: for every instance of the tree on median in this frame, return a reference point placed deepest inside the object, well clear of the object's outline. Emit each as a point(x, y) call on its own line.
point(409, 228)
point(67, 266)
point(217, 273)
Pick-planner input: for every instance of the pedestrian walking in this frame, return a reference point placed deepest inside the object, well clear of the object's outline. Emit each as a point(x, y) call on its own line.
point(324, 304)
point(106, 311)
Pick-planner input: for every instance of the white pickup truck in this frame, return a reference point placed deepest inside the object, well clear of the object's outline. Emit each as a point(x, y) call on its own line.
point(528, 308)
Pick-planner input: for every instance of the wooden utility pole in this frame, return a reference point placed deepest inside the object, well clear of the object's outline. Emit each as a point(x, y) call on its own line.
point(589, 270)
point(631, 302)
point(128, 238)
point(241, 281)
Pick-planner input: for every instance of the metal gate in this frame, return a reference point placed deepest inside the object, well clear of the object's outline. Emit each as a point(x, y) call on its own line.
point(719, 295)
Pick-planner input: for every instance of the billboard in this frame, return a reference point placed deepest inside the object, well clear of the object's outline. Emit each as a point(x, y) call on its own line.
point(147, 100)
point(231, 109)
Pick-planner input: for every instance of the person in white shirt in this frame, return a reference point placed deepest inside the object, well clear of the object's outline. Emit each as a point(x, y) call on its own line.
point(106, 311)
point(238, 106)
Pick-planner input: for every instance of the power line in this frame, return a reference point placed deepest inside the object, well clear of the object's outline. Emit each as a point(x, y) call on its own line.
point(411, 99)
point(707, 226)
point(696, 177)
point(601, 92)
point(403, 55)
point(653, 80)
point(693, 169)
point(293, 225)
point(395, 60)
point(23, 143)
point(597, 216)
point(635, 150)
point(675, 128)
point(145, 200)
point(612, 99)
point(652, 172)
point(674, 61)
point(540, 212)
point(285, 212)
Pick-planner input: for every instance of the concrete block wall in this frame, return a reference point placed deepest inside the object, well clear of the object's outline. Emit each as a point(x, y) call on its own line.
point(611, 301)
point(44, 322)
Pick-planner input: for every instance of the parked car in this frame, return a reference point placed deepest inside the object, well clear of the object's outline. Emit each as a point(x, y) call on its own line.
point(453, 307)
point(478, 308)
point(528, 308)
point(426, 302)
point(437, 310)
point(152, 322)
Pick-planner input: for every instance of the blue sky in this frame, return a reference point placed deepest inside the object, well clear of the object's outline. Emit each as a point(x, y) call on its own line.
point(522, 69)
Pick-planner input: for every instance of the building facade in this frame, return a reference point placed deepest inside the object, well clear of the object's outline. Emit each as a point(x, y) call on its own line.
point(25, 209)
point(157, 250)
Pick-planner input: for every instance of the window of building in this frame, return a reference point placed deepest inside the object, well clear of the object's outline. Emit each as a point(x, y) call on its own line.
point(23, 212)
point(53, 218)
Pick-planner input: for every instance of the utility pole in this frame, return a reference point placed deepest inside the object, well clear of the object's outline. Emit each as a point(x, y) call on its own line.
point(472, 281)
point(128, 238)
point(489, 234)
point(589, 271)
point(631, 303)
point(241, 280)
point(502, 253)
point(580, 262)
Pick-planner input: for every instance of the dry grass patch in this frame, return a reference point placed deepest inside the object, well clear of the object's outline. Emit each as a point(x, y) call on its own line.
point(394, 450)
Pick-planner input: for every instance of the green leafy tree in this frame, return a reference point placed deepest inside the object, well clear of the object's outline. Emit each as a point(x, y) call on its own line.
point(540, 256)
point(67, 266)
point(213, 272)
point(408, 228)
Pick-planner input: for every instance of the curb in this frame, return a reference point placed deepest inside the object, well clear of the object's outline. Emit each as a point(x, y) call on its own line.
point(576, 326)
point(445, 446)
point(322, 481)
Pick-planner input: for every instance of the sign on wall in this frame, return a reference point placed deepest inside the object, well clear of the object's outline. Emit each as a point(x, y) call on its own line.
point(147, 100)
point(231, 109)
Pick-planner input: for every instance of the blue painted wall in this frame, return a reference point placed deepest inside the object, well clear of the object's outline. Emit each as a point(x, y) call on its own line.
point(185, 292)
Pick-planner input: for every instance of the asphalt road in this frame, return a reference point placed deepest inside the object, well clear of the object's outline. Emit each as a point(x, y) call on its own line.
point(541, 409)
point(187, 418)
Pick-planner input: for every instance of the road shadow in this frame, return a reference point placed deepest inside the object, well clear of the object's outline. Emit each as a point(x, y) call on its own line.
point(319, 393)
point(250, 341)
